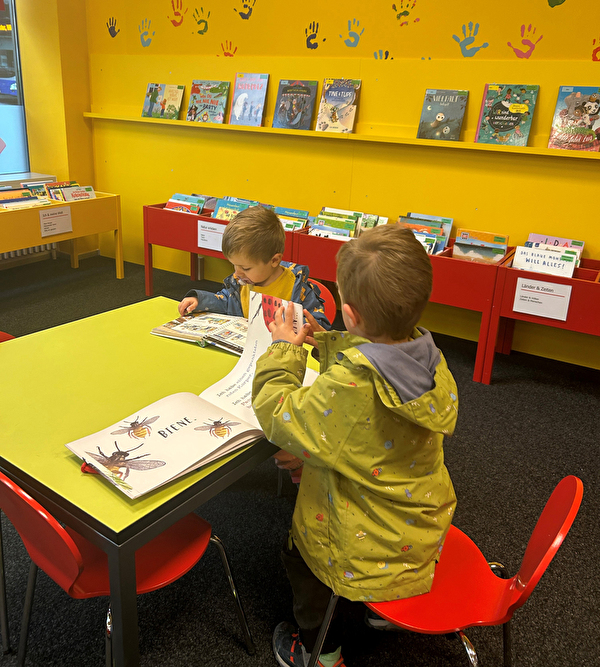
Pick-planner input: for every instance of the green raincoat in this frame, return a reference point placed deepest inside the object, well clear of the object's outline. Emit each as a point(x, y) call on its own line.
point(375, 500)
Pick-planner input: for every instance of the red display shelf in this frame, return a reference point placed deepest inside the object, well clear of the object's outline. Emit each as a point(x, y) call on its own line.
point(583, 314)
point(318, 253)
point(174, 229)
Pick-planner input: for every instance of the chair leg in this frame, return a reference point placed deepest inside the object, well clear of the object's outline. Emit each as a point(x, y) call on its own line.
point(3, 604)
point(468, 648)
point(239, 609)
point(26, 614)
point(502, 572)
point(316, 652)
point(108, 639)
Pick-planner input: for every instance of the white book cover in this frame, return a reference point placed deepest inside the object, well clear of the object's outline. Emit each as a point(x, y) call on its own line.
point(544, 261)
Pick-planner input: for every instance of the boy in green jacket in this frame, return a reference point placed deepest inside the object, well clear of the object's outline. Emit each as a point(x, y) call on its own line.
point(375, 501)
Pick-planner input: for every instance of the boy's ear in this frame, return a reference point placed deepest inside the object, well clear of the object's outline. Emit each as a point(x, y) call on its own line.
point(276, 259)
point(352, 314)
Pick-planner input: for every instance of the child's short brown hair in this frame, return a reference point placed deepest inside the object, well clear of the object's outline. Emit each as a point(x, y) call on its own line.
point(256, 233)
point(386, 275)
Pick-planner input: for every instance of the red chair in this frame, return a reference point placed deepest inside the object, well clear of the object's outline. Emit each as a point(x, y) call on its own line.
point(329, 305)
point(5, 336)
point(465, 590)
point(81, 569)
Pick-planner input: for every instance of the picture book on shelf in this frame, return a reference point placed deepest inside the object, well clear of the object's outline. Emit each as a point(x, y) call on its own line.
point(182, 432)
point(226, 331)
point(163, 100)
point(208, 101)
point(480, 246)
point(442, 114)
point(556, 241)
point(186, 203)
point(295, 104)
point(249, 94)
point(339, 102)
point(227, 209)
point(544, 261)
point(506, 114)
point(576, 120)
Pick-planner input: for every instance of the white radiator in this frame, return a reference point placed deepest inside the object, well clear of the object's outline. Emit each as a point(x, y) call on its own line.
point(25, 252)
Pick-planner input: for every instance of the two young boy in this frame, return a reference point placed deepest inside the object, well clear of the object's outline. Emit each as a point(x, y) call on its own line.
point(375, 501)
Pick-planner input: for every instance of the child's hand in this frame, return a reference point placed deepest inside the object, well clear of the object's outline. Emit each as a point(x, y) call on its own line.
point(187, 305)
point(314, 327)
point(284, 329)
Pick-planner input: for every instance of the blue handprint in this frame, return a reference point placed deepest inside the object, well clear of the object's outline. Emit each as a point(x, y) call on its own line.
point(382, 55)
point(467, 40)
point(353, 36)
point(144, 29)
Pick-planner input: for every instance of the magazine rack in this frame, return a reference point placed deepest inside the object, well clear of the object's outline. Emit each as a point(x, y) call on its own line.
point(21, 228)
point(456, 282)
point(177, 230)
point(583, 314)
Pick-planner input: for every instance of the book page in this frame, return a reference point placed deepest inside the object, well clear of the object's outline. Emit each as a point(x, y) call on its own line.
point(163, 441)
point(198, 326)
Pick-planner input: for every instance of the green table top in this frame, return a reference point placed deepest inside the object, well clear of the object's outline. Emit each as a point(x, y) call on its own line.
point(61, 384)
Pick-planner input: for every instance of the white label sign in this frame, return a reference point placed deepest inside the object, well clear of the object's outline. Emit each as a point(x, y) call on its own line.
point(543, 299)
point(210, 235)
point(56, 221)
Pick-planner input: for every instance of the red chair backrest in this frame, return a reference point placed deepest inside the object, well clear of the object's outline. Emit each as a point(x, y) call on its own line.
point(329, 305)
point(549, 532)
point(49, 545)
point(5, 336)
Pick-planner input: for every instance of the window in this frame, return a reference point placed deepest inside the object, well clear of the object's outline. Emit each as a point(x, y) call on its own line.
point(13, 138)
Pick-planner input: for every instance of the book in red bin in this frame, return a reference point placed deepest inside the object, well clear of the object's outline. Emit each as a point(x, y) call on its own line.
point(576, 120)
point(208, 101)
point(442, 114)
point(248, 103)
point(295, 104)
point(338, 106)
point(506, 114)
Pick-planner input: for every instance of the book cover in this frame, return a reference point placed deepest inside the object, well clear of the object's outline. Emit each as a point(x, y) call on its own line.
point(228, 209)
point(425, 227)
point(182, 432)
point(446, 223)
point(556, 240)
point(163, 100)
point(54, 189)
point(544, 261)
point(208, 101)
point(576, 120)
point(442, 114)
point(506, 114)
point(78, 192)
point(185, 203)
point(17, 193)
point(295, 104)
point(339, 102)
point(481, 238)
point(478, 253)
point(249, 94)
point(291, 212)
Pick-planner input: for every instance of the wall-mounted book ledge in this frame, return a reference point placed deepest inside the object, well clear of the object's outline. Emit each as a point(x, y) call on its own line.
point(360, 137)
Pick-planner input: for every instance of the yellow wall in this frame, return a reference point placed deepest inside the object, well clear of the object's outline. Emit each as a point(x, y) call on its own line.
point(504, 191)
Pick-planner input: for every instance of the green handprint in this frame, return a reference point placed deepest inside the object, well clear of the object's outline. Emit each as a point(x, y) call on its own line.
point(144, 29)
point(201, 21)
point(353, 36)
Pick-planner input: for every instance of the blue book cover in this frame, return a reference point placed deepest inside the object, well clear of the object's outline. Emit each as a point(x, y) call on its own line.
point(442, 114)
point(506, 114)
point(576, 120)
point(294, 212)
point(249, 94)
point(227, 209)
point(295, 104)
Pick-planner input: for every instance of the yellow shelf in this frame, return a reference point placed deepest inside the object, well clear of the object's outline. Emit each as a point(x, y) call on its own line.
point(373, 138)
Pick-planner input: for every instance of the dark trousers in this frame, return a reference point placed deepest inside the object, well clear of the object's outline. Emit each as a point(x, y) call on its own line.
point(311, 597)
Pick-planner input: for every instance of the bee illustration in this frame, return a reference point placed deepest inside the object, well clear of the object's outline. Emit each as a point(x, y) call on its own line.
point(118, 463)
point(218, 428)
point(137, 429)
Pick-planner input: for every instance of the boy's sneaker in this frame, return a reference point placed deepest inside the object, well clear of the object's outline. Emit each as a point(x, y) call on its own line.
point(376, 622)
point(288, 648)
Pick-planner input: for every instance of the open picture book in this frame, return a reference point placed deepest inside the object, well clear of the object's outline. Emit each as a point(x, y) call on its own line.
point(182, 432)
point(225, 331)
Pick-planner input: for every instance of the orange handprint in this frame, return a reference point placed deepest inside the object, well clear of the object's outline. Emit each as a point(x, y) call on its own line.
point(177, 6)
point(227, 49)
point(596, 51)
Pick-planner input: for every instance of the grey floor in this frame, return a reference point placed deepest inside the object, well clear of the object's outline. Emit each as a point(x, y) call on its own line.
point(515, 440)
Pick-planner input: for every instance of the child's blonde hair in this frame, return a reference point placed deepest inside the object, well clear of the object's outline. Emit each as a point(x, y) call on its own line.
point(386, 275)
point(256, 233)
